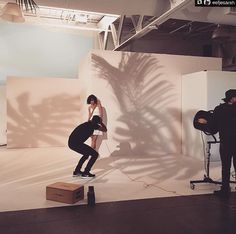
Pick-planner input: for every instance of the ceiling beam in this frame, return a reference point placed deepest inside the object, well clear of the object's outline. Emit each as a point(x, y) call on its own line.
point(154, 24)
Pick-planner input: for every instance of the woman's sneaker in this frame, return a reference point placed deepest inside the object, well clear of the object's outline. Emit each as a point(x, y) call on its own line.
point(77, 173)
point(87, 175)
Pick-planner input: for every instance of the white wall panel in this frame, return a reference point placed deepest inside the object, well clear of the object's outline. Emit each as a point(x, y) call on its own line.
point(142, 97)
point(201, 91)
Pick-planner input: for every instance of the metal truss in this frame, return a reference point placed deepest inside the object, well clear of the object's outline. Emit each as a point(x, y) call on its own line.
point(128, 28)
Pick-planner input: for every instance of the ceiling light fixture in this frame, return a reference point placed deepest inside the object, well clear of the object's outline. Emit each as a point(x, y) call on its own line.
point(220, 33)
point(12, 12)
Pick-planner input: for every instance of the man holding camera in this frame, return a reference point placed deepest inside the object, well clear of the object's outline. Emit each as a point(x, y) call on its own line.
point(76, 142)
point(224, 117)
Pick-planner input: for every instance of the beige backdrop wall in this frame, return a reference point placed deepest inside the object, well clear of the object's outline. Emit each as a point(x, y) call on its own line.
point(141, 95)
point(42, 111)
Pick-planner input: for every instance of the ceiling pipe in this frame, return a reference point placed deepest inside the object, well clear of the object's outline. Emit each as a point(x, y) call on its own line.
point(183, 26)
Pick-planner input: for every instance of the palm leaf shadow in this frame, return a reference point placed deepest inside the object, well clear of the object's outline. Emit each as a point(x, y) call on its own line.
point(141, 101)
point(32, 125)
point(146, 111)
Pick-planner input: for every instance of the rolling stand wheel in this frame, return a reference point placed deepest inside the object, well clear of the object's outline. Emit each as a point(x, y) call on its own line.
point(206, 178)
point(192, 186)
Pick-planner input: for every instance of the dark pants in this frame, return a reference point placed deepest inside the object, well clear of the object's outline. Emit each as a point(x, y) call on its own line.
point(86, 151)
point(227, 152)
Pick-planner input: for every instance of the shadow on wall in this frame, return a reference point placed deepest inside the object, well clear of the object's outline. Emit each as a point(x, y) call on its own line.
point(124, 148)
point(45, 124)
point(146, 99)
point(159, 167)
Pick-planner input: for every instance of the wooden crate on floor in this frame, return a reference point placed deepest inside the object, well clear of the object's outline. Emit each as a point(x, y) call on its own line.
point(65, 192)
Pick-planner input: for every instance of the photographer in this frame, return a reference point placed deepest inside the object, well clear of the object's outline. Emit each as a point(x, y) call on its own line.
point(76, 142)
point(224, 117)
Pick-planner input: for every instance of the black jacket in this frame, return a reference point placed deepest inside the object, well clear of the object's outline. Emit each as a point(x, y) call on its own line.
point(225, 119)
point(81, 133)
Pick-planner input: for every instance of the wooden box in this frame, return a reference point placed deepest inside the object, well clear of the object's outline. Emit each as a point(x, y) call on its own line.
point(65, 192)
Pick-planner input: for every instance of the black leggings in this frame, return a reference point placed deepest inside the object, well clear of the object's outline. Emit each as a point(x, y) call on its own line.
point(86, 151)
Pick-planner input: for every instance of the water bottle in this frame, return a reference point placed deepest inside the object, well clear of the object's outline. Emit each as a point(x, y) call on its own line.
point(91, 196)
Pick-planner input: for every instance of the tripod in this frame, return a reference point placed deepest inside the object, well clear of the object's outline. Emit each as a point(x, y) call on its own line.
point(206, 178)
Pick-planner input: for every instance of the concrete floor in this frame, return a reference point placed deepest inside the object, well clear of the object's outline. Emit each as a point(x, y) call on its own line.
point(25, 173)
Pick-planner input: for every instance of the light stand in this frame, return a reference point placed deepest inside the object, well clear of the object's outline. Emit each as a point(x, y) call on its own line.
point(207, 178)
